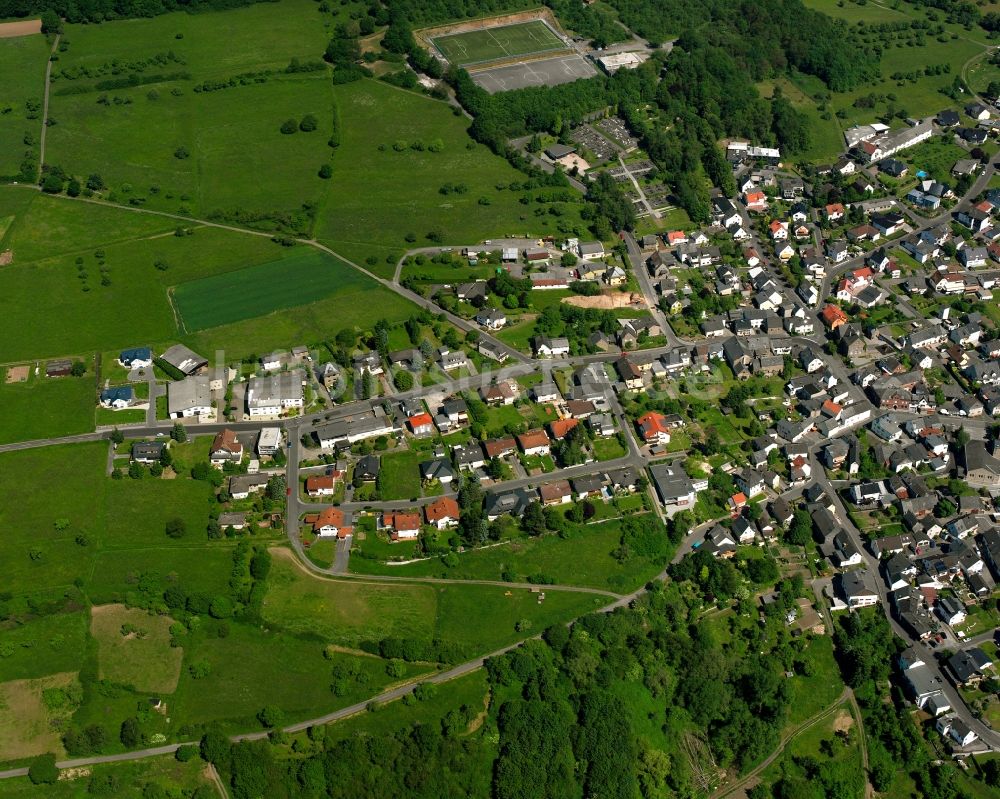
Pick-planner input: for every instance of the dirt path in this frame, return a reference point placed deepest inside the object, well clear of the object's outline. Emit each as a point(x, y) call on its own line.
point(382, 579)
point(859, 720)
point(45, 106)
point(213, 775)
point(748, 779)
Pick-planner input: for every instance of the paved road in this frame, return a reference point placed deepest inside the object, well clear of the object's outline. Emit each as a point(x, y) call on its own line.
point(638, 264)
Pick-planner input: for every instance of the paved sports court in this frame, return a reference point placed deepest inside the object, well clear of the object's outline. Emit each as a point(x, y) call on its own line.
point(547, 72)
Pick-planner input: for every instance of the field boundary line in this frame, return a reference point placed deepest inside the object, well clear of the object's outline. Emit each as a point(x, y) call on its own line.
point(178, 319)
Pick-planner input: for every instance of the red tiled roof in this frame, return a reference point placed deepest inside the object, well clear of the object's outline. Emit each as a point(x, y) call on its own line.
point(443, 508)
point(401, 521)
point(226, 441)
point(560, 427)
point(420, 420)
point(320, 482)
point(533, 438)
point(651, 424)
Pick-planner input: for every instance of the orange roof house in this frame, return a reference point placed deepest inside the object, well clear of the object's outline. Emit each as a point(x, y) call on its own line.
point(834, 211)
point(833, 316)
point(329, 522)
point(560, 427)
point(653, 427)
point(401, 525)
point(421, 422)
point(443, 512)
point(321, 485)
point(534, 442)
point(499, 447)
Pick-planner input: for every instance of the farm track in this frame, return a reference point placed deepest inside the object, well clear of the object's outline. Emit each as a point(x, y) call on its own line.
point(45, 105)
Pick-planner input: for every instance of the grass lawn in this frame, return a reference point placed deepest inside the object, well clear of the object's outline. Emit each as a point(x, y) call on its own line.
point(134, 648)
point(105, 532)
point(491, 44)
point(27, 726)
point(582, 558)
point(109, 417)
point(497, 612)
point(935, 156)
point(607, 449)
point(46, 407)
point(400, 478)
point(176, 778)
point(369, 212)
point(304, 275)
point(812, 693)
point(519, 335)
point(346, 612)
point(46, 226)
point(22, 61)
point(869, 13)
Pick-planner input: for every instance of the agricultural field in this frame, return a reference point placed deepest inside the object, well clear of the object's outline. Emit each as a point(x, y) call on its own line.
point(22, 62)
point(133, 648)
point(213, 148)
point(301, 277)
point(46, 407)
point(493, 44)
point(368, 214)
point(143, 260)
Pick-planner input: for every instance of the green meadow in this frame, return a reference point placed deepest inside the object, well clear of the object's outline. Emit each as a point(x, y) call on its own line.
point(22, 63)
point(162, 144)
point(371, 209)
point(143, 260)
point(583, 557)
point(349, 612)
point(63, 515)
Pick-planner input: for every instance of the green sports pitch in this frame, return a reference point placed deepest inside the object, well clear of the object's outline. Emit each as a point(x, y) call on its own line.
point(494, 44)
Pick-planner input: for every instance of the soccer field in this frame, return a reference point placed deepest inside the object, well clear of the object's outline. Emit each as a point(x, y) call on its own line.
point(302, 277)
point(493, 44)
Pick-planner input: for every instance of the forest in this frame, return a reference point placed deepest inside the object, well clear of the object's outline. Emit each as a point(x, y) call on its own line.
point(601, 708)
